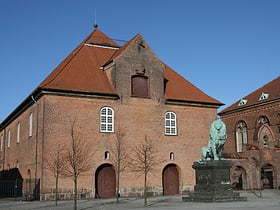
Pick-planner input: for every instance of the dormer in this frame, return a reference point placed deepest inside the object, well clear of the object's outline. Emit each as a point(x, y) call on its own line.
point(135, 71)
point(263, 96)
point(242, 102)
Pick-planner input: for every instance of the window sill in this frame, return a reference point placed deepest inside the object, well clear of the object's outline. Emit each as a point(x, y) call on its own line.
point(144, 97)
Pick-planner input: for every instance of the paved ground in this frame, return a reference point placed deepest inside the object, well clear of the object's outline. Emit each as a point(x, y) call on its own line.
point(270, 201)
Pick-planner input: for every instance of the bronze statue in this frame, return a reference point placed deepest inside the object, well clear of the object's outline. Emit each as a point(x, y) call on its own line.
point(216, 142)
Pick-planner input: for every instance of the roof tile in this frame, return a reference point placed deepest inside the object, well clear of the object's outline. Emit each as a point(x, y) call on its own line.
point(272, 88)
point(81, 71)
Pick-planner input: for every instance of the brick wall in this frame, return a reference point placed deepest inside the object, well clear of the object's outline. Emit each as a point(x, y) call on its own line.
point(136, 118)
point(255, 155)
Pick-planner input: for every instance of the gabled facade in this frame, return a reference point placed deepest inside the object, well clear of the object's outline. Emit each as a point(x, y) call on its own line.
point(253, 143)
point(109, 89)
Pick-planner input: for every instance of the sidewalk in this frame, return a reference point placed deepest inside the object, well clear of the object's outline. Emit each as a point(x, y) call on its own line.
point(270, 201)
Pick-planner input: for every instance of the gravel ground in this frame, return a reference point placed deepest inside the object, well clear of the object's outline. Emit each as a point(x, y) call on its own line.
point(270, 200)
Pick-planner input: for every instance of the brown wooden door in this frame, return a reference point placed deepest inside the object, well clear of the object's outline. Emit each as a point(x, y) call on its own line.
point(106, 182)
point(170, 180)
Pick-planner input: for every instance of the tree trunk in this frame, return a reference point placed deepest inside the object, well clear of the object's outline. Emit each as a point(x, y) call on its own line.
point(75, 192)
point(145, 190)
point(56, 189)
point(118, 186)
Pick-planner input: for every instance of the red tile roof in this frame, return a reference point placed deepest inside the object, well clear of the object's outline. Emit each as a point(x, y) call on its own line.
point(178, 88)
point(272, 89)
point(81, 71)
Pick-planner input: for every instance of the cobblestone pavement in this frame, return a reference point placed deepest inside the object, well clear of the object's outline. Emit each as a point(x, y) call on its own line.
point(270, 200)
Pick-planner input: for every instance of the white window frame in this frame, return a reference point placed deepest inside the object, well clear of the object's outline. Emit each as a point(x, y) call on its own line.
point(18, 132)
point(170, 124)
point(9, 139)
point(238, 141)
point(106, 120)
point(107, 155)
point(241, 136)
point(2, 142)
point(171, 156)
point(30, 131)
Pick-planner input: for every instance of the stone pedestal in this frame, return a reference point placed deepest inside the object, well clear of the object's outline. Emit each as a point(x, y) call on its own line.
point(213, 183)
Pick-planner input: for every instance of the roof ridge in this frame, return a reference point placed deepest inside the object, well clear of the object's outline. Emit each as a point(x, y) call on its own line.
point(98, 37)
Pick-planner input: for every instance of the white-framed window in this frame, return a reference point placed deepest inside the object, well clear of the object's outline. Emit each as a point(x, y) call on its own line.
point(107, 155)
point(171, 156)
point(9, 139)
point(170, 123)
point(2, 143)
point(263, 96)
point(107, 120)
point(18, 133)
point(242, 102)
point(241, 135)
point(30, 124)
point(265, 140)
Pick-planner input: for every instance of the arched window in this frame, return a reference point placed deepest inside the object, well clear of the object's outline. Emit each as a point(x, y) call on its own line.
point(9, 139)
point(107, 120)
point(107, 155)
point(30, 124)
point(29, 174)
point(265, 140)
point(171, 156)
point(18, 132)
point(170, 123)
point(139, 86)
point(262, 120)
point(241, 135)
point(2, 143)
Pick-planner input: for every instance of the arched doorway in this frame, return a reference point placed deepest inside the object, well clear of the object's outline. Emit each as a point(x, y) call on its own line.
point(238, 177)
point(170, 180)
point(267, 176)
point(105, 181)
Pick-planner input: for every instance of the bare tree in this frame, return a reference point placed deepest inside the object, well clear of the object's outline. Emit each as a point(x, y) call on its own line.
point(55, 162)
point(78, 158)
point(119, 159)
point(144, 162)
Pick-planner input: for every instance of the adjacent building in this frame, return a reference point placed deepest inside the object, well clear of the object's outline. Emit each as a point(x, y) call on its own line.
point(253, 142)
point(102, 91)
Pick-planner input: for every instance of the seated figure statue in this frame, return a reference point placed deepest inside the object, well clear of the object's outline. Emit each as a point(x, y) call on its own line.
point(216, 142)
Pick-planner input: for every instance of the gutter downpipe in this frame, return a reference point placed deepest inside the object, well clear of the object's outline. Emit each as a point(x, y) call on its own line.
point(36, 149)
point(4, 148)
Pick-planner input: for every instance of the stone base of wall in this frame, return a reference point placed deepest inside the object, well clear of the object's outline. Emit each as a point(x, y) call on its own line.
point(65, 196)
point(185, 190)
point(124, 192)
point(139, 191)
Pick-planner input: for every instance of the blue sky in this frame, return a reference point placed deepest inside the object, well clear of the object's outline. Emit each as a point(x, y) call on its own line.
point(227, 48)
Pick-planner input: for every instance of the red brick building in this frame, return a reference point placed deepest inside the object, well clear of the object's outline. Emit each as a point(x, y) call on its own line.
point(110, 89)
point(253, 142)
